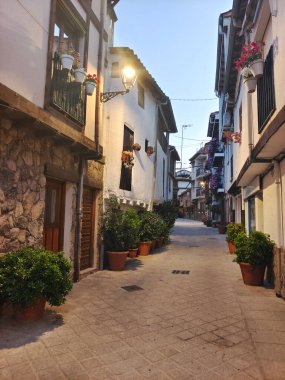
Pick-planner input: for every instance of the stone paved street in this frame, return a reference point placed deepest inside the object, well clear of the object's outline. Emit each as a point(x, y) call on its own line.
point(201, 325)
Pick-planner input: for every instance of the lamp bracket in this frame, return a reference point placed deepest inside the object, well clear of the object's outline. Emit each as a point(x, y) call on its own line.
point(105, 96)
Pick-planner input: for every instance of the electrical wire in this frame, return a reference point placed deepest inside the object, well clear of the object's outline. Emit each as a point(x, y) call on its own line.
point(193, 100)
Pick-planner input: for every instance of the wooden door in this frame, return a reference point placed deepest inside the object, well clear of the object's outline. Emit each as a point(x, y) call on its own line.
point(54, 215)
point(87, 229)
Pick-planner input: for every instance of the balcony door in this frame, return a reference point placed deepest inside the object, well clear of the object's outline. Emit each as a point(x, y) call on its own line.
point(54, 215)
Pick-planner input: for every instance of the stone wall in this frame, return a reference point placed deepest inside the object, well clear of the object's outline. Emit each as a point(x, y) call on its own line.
point(22, 183)
point(279, 271)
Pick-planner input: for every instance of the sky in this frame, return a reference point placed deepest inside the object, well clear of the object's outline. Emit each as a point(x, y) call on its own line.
point(177, 43)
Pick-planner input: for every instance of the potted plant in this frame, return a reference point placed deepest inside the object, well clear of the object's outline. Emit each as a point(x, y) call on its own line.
point(147, 232)
point(91, 82)
point(79, 71)
point(136, 146)
point(30, 277)
point(253, 254)
point(133, 224)
point(149, 151)
point(233, 229)
point(248, 80)
point(116, 234)
point(236, 137)
point(127, 158)
point(251, 57)
point(67, 58)
point(222, 228)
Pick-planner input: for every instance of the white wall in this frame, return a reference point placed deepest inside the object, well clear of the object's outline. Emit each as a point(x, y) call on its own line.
point(160, 192)
point(120, 111)
point(24, 32)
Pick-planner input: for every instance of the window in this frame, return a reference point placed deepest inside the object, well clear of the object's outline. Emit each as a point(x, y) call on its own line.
point(69, 32)
point(232, 168)
point(126, 173)
point(115, 71)
point(145, 145)
point(240, 118)
point(266, 92)
point(140, 96)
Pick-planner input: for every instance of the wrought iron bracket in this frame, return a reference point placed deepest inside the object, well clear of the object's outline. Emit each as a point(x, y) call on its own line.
point(105, 96)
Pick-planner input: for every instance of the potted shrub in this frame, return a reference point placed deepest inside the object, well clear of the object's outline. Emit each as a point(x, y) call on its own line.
point(233, 229)
point(133, 224)
point(91, 82)
point(253, 254)
point(117, 234)
point(222, 228)
point(147, 232)
point(168, 210)
point(31, 277)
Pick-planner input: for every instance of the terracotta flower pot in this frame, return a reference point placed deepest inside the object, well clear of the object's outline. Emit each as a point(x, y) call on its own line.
point(144, 248)
point(222, 229)
point(252, 275)
point(32, 312)
point(232, 247)
point(133, 252)
point(117, 260)
point(153, 245)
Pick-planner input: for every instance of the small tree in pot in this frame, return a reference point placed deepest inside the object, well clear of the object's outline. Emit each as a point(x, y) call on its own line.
point(233, 229)
point(253, 254)
point(133, 223)
point(29, 277)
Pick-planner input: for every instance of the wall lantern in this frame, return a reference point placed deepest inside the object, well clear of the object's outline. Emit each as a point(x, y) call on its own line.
point(129, 77)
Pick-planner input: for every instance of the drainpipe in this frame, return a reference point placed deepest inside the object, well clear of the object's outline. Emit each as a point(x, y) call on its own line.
point(78, 217)
point(99, 75)
point(280, 231)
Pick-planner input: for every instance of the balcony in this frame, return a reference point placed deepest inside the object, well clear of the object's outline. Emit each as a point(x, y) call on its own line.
point(200, 193)
point(202, 173)
point(67, 96)
point(218, 157)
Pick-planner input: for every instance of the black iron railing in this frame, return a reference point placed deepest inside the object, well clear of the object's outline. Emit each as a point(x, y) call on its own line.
point(266, 92)
point(67, 95)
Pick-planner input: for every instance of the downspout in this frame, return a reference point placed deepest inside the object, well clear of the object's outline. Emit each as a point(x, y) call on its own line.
point(78, 217)
point(280, 229)
point(99, 75)
point(155, 160)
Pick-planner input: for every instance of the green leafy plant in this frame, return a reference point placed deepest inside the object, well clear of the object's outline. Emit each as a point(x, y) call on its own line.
point(152, 226)
point(168, 210)
point(255, 249)
point(233, 229)
point(133, 224)
point(120, 229)
point(28, 273)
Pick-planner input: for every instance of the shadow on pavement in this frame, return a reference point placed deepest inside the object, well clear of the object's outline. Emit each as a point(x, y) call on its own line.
point(18, 333)
point(133, 264)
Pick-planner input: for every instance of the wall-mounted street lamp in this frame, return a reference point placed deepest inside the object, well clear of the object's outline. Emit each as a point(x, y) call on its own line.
point(129, 77)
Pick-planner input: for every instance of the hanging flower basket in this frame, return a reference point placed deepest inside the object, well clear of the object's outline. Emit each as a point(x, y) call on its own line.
point(136, 147)
point(127, 159)
point(227, 135)
point(80, 75)
point(66, 61)
point(256, 67)
point(90, 87)
point(250, 84)
point(236, 137)
point(149, 151)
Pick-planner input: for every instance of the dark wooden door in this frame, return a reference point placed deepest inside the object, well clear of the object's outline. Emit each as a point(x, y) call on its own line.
point(87, 229)
point(54, 215)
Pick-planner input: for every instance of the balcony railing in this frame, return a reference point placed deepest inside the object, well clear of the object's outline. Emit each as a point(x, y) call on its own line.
point(200, 192)
point(201, 172)
point(67, 95)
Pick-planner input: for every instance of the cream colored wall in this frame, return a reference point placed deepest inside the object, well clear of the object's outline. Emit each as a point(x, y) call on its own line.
point(270, 219)
point(68, 214)
point(24, 32)
point(282, 171)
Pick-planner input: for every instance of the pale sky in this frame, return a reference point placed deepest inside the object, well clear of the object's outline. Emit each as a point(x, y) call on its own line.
point(177, 43)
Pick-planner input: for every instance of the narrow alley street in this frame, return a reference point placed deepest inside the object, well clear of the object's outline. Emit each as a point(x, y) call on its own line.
point(201, 323)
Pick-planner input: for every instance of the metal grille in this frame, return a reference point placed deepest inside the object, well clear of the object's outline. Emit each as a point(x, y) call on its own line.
point(67, 95)
point(180, 271)
point(266, 92)
point(132, 288)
